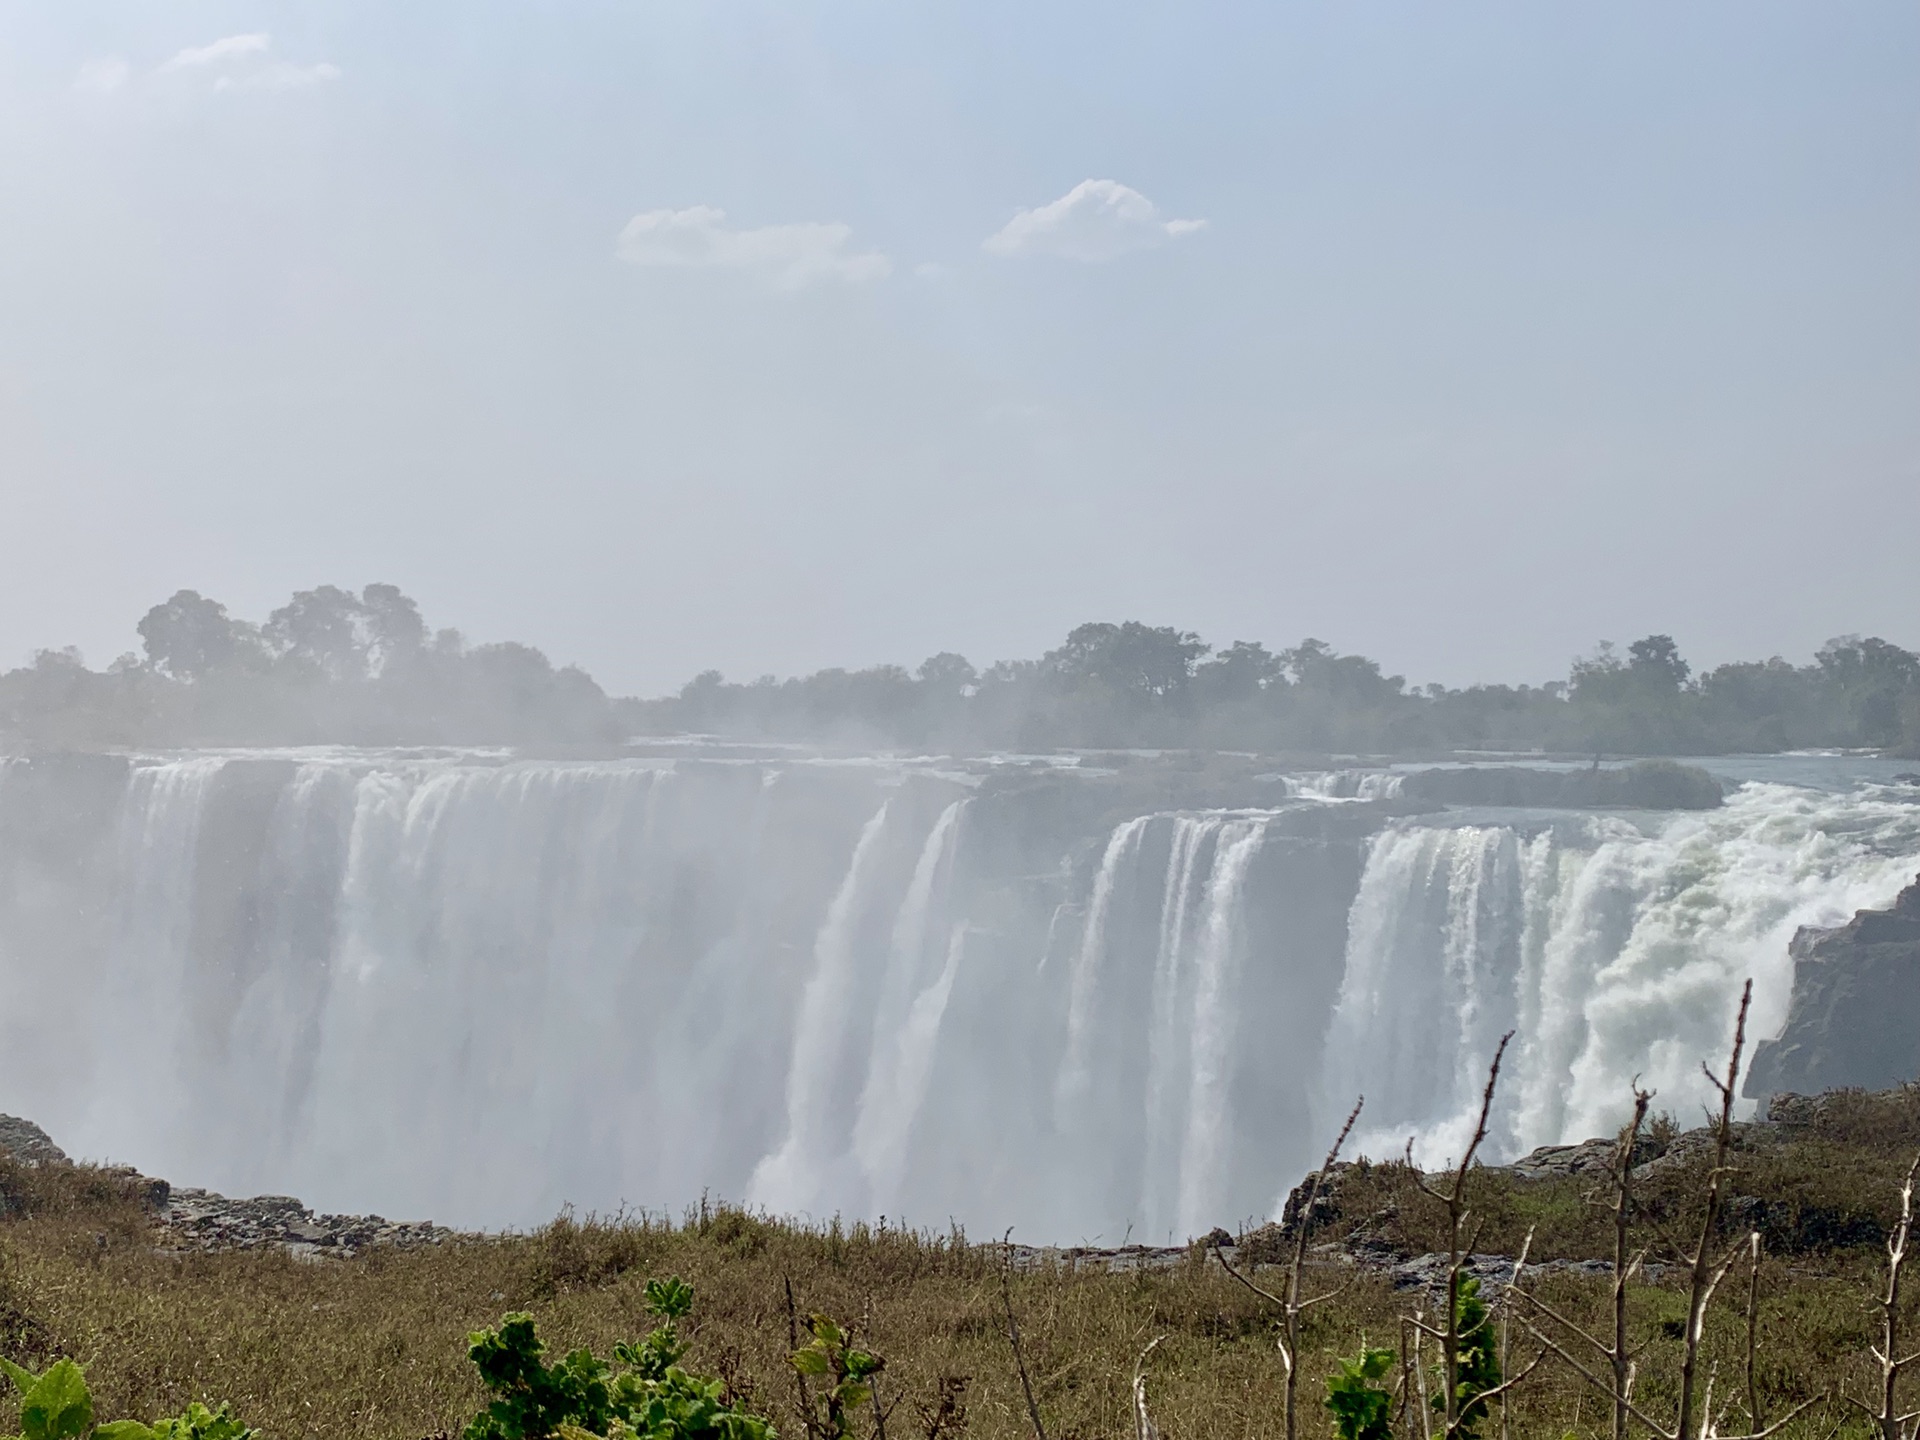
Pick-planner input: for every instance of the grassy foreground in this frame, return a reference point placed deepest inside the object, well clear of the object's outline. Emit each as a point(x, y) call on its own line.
point(376, 1346)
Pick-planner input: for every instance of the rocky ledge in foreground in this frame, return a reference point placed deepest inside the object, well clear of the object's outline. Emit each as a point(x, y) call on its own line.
point(205, 1221)
point(1819, 1174)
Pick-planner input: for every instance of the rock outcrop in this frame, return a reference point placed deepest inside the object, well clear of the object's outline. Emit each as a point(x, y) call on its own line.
point(203, 1220)
point(1643, 785)
point(28, 1143)
point(206, 1221)
point(1854, 1020)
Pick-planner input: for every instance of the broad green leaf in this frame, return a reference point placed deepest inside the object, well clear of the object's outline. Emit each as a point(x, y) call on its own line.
point(125, 1430)
point(58, 1407)
point(810, 1362)
point(19, 1374)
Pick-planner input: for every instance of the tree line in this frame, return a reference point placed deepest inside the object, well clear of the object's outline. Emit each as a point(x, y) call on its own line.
point(332, 666)
point(1137, 685)
point(328, 667)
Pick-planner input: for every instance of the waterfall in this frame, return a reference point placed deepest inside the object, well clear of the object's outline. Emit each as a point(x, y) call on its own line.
point(1222, 950)
point(476, 988)
point(1073, 1089)
point(790, 1179)
point(1613, 949)
point(907, 1020)
point(1163, 1075)
point(146, 1049)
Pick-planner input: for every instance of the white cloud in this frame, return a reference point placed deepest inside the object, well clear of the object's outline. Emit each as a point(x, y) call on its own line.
point(102, 75)
point(219, 52)
point(282, 75)
point(785, 256)
point(1096, 220)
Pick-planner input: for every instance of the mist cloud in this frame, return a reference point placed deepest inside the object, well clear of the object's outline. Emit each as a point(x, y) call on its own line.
point(787, 257)
point(284, 75)
point(232, 47)
point(1096, 220)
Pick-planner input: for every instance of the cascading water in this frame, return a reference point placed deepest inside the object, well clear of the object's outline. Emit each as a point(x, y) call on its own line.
point(475, 988)
point(1613, 950)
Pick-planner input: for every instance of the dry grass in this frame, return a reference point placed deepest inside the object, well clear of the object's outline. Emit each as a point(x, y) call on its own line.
point(376, 1346)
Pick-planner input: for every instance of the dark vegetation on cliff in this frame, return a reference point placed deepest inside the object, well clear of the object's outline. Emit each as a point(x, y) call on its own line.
point(332, 666)
point(375, 1345)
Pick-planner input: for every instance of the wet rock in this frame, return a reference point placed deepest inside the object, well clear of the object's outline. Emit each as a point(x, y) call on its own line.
point(1854, 1019)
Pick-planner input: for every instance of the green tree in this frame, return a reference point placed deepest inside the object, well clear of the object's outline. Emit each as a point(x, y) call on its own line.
point(190, 636)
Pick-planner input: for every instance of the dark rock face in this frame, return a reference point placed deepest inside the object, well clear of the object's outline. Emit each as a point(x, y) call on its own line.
point(1643, 785)
point(1854, 1021)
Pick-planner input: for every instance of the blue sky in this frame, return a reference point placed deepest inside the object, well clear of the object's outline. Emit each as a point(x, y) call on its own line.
point(678, 335)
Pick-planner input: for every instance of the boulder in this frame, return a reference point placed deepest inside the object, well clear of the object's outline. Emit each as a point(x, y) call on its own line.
point(1854, 1019)
point(27, 1142)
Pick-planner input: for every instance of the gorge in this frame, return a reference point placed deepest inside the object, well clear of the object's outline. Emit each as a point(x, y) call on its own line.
point(1090, 997)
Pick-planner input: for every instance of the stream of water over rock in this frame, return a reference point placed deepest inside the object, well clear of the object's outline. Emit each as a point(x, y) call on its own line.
point(477, 987)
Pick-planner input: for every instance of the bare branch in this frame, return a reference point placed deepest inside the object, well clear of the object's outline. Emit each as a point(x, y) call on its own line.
point(1266, 1295)
point(1603, 1386)
point(1889, 1424)
point(1143, 1426)
point(1013, 1337)
point(1706, 1275)
point(1782, 1423)
point(1330, 1295)
point(1755, 1420)
point(1548, 1310)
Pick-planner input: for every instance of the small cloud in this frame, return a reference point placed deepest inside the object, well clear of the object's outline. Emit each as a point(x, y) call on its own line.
point(786, 256)
point(1096, 220)
point(233, 47)
point(282, 75)
point(102, 75)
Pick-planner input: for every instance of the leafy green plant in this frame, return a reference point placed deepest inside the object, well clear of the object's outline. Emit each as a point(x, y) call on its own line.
point(57, 1405)
point(583, 1398)
point(532, 1400)
point(1360, 1407)
point(848, 1373)
point(1479, 1365)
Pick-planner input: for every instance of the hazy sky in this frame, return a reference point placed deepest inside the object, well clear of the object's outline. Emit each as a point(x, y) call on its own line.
point(773, 336)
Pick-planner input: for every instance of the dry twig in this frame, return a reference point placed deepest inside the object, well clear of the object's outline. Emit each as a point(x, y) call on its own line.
point(1013, 1336)
point(1454, 1197)
point(1888, 1422)
point(1292, 1306)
